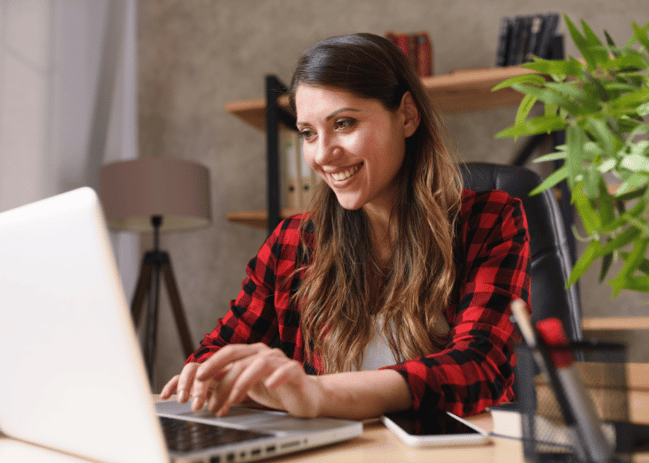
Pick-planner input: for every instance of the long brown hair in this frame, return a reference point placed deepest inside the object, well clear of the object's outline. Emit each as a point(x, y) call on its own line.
point(345, 288)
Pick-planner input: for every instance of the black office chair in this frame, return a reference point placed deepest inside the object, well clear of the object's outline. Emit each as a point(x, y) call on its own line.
point(551, 262)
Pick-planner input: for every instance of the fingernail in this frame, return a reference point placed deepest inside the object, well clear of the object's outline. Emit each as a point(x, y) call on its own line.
point(197, 404)
point(182, 396)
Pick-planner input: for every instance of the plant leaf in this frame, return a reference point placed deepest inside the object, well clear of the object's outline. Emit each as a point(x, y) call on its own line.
point(631, 100)
point(569, 67)
point(624, 217)
point(640, 284)
point(555, 177)
point(643, 109)
point(607, 260)
point(586, 259)
point(601, 131)
point(549, 96)
point(570, 89)
point(534, 126)
point(644, 265)
point(635, 162)
point(581, 43)
point(635, 181)
point(575, 138)
point(625, 278)
point(640, 34)
point(524, 108)
point(556, 156)
point(599, 52)
point(531, 78)
point(605, 202)
point(626, 237)
point(587, 212)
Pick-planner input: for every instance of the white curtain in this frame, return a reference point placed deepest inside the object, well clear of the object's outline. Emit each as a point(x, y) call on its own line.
point(68, 101)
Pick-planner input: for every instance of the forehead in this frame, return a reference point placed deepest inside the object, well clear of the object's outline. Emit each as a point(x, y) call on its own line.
point(312, 101)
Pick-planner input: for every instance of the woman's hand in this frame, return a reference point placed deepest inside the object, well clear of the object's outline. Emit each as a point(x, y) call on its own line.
point(255, 371)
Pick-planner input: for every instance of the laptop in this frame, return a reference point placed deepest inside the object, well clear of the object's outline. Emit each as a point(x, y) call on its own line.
point(72, 379)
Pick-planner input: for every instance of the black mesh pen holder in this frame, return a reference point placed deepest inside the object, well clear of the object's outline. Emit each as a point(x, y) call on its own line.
point(550, 432)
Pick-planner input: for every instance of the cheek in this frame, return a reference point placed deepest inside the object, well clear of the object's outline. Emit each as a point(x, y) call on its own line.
point(308, 155)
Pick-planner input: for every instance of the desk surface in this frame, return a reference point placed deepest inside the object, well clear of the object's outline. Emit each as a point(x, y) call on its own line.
point(377, 444)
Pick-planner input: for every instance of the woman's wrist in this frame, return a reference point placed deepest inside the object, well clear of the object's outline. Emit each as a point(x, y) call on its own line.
point(363, 394)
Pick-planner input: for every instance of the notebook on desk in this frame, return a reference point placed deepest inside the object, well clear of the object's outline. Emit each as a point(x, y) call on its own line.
point(72, 377)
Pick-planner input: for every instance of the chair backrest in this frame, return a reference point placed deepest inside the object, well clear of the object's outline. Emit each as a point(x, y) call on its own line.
point(551, 262)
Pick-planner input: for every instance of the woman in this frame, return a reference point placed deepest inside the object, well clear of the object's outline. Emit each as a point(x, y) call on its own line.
point(393, 292)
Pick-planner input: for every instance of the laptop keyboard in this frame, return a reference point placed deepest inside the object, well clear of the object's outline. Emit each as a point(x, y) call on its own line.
point(187, 436)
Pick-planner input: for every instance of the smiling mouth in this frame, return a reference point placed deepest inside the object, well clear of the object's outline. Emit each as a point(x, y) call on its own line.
point(345, 174)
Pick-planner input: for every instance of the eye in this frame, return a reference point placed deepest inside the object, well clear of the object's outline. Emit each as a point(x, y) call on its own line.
point(342, 124)
point(306, 134)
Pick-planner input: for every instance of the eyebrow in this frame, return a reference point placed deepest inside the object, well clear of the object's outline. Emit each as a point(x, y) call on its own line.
point(333, 114)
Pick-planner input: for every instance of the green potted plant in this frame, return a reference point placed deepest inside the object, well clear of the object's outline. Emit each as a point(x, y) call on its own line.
point(602, 103)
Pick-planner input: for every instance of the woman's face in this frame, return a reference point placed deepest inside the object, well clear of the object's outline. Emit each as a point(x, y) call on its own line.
point(355, 144)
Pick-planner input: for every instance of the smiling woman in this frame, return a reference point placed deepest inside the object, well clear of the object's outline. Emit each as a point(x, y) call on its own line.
point(394, 268)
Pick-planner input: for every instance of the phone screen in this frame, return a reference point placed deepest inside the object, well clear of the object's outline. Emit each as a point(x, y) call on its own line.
point(437, 429)
point(428, 425)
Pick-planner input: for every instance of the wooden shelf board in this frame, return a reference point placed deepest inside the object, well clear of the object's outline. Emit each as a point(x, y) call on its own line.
point(459, 91)
point(257, 219)
point(615, 323)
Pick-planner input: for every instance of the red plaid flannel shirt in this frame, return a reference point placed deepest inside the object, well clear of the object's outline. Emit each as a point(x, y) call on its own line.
point(474, 370)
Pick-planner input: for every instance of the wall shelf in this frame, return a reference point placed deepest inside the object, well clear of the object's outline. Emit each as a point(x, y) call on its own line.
point(460, 91)
point(257, 219)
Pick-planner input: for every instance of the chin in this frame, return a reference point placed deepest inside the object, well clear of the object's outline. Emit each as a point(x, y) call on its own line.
point(349, 204)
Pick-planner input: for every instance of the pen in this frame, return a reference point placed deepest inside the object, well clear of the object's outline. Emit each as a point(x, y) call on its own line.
point(553, 335)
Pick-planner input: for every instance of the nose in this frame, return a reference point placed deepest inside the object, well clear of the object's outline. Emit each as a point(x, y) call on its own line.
point(327, 151)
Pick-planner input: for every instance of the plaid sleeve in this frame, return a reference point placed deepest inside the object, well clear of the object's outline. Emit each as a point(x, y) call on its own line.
point(475, 369)
point(261, 311)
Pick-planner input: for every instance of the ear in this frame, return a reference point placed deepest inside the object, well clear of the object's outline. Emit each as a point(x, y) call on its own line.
point(410, 113)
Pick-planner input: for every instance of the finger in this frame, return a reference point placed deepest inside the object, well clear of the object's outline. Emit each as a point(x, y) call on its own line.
point(290, 372)
point(169, 388)
point(255, 372)
point(186, 381)
point(224, 386)
point(261, 366)
point(228, 354)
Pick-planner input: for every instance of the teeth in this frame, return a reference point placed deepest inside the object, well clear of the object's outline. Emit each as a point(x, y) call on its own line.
point(338, 176)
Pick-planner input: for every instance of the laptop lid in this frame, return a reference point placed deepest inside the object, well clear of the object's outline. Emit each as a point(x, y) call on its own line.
point(72, 375)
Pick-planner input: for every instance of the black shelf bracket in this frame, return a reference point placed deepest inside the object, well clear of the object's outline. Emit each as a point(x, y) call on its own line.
point(275, 115)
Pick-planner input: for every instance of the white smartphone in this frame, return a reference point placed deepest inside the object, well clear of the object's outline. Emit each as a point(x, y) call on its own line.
point(438, 429)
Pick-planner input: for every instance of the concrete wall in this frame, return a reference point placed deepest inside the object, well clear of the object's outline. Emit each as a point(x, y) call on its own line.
point(194, 56)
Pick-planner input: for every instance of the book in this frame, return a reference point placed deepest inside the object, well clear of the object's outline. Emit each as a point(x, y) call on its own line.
point(299, 179)
point(525, 36)
point(536, 29)
point(401, 40)
point(504, 37)
point(519, 33)
point(289, 168)
point(506, 420)
point(544, 45)
point(424, 55)
point(417, 47)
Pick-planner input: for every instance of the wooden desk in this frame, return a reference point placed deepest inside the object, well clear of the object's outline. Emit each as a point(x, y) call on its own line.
point(378, 445)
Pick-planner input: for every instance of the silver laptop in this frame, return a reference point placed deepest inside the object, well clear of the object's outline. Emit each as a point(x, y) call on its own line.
point(71, 375)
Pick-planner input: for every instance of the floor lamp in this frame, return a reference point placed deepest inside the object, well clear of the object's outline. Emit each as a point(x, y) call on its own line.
point(156, 195)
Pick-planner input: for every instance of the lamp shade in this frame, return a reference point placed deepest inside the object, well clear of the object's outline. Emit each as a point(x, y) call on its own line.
point(134, 191)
